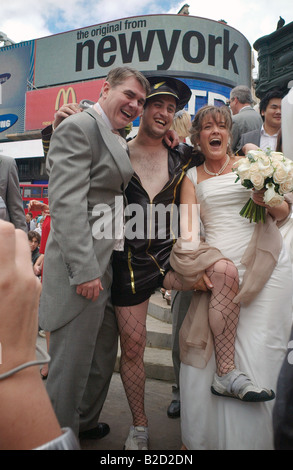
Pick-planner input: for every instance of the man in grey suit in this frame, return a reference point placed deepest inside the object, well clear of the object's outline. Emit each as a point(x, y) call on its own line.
point(267, 135)
point(244, 118)
point(10, 193)
point(89, 169)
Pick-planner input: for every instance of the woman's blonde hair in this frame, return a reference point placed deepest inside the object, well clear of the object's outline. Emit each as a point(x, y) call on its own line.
point(217, 113)
point(181, 123)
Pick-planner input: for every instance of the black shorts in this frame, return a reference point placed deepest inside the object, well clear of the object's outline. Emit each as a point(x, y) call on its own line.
point(136, 279)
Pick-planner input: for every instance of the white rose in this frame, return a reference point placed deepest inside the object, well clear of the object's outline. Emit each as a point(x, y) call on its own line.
point(286, 187)
point(289, 164)
point(240, 161)
point(255, 154)
point(256, 176)
point(280, 173)
point(265, 166)
point(279, 156)
point(271, 198)
point(243, 167)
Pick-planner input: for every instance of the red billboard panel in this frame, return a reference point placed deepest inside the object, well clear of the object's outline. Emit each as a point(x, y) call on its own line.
point(42, 104)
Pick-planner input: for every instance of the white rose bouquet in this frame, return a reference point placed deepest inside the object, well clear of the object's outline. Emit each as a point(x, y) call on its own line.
point(259, 170)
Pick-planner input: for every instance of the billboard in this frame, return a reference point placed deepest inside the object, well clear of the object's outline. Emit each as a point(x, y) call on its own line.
point(41, 105)
point(186, 46)
point(16, 76)
point(22, 149)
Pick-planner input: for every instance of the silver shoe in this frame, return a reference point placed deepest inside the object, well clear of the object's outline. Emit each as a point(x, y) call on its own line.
point(236, 384)
point(137, 438)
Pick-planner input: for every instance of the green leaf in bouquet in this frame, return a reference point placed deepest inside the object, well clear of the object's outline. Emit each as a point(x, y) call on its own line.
point(247, 184)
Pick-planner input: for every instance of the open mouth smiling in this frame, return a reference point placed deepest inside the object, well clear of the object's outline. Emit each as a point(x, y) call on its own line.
point(160, 121)
point(126, 113)
point(215, 142)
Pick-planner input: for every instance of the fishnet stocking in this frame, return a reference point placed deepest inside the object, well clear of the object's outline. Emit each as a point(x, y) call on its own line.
point(172, 281)
point(132, 329)
point(224, 313)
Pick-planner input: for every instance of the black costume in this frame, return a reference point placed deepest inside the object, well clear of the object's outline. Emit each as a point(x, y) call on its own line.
point(141, 267)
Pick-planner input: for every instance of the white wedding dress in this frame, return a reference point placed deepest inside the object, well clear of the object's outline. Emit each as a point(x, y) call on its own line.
point(210, 422)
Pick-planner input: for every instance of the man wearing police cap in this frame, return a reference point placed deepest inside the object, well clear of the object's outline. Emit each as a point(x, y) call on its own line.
point(170, 86)
point(143, 266)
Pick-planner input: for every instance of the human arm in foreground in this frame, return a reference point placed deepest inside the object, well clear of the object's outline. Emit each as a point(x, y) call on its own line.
point(27, 417)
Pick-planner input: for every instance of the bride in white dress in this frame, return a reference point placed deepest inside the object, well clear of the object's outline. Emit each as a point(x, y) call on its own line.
point(211, 422)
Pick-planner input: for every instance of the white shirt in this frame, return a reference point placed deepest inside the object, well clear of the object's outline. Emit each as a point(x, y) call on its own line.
point(267, 141)
point(119, 209)
point(105, 118)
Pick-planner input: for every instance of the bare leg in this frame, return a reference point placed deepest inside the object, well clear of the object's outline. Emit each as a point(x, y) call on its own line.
point(132, 329)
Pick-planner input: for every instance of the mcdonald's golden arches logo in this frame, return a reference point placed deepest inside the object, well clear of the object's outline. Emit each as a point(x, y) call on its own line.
point(65, 94)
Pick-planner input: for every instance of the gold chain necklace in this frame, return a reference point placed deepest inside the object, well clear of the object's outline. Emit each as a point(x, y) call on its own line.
point(221, 169)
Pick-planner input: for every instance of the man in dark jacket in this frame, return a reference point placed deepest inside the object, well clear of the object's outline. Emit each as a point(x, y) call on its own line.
point(10, 193)
point(267, 135)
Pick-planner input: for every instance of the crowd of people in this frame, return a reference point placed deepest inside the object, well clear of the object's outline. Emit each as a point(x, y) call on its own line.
point(230, 331)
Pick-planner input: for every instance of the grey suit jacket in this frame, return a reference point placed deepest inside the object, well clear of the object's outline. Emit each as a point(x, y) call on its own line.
point(10, 192)
point(246, 120)
point(88, 168)
point(252, 137)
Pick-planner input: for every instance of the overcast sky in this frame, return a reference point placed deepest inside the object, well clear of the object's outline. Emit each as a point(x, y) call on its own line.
point(30, 19)
point(22, 20)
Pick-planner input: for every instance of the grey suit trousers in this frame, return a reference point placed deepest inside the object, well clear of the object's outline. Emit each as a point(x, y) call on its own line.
point(83, 356)
point(180, 304)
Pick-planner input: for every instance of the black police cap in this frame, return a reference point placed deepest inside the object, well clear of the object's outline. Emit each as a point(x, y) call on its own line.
point(170, 86)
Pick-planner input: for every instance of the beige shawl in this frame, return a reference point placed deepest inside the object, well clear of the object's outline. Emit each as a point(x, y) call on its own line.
point(260, 259)
point(195, 337)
